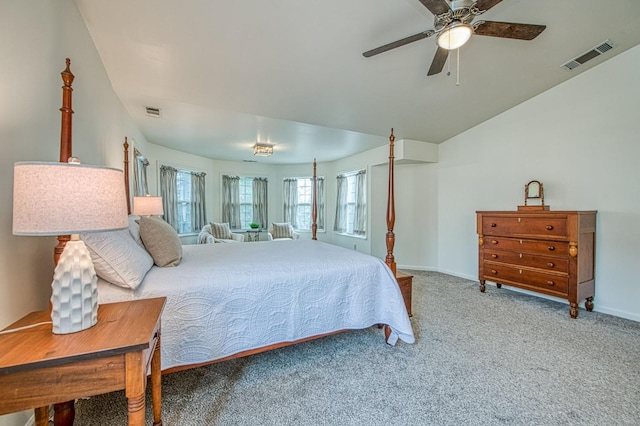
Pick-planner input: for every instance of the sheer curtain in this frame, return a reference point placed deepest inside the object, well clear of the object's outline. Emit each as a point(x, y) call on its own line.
point(198, 210)
point(231, 201)
point(169, 193)
point(340, 224)
point(360, 215)
point(290, 199)
point(260, 202)
point(320, 201)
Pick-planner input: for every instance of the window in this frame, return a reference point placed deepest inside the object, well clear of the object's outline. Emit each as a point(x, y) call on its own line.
point(183, 195)
point(351, 204)
point(184, 201)
point(298, 202)
point(244, 200)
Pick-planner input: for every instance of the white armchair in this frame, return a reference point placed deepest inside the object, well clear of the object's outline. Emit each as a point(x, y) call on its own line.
point(281, 231)
point(206, 236)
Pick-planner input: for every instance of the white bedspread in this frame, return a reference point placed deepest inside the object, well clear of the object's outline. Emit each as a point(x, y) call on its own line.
point(227, 298)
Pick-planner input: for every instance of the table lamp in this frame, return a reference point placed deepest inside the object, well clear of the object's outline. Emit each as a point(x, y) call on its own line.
point(147, 206)
point(69, 199)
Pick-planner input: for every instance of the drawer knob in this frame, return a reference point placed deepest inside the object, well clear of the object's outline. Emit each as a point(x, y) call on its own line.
point(550, 265)
point(549, 227)
point(551, 248)
point(494, 256)
point(550, 283)
point(493, 271)
point(493, 225)
point(494, 242)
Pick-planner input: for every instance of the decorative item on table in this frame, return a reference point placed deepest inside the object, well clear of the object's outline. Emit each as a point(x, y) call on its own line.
point(147, 206)
point(534, 190)
point(254, 225)
point(69, 199)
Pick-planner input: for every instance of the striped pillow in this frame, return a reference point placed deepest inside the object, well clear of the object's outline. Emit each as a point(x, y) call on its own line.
point(281, 230)
point(221, 231)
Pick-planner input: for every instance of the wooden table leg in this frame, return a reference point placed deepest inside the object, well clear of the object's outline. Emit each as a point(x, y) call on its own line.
point(64, 413)
point(156, 386)
point(135, 379)
point(42, 416)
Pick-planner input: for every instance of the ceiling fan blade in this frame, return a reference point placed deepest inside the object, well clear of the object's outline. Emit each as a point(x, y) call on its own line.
point(509, 30)
point(486, 4)
point(438, 61)
point(437, 7)
point(398, 43)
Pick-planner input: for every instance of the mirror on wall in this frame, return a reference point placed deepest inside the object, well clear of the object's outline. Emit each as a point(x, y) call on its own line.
point(140, 164)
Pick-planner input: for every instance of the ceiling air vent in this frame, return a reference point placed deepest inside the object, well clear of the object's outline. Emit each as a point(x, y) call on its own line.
point(153, 112)
point(587, 56)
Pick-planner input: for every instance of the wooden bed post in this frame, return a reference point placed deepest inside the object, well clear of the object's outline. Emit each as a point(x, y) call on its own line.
point(314, 204)
point(391, 209)
point(126, 174)
point(65, 140)
point(64, 412)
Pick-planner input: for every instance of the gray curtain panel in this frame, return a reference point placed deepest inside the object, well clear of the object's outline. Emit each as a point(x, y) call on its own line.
point(169, 193)
point(140, 187)
point(340, 224)
point(290, 201)
point(198, 209)
point(320, 201)
point(360, 216)
point(260, 204)
point(231, 201)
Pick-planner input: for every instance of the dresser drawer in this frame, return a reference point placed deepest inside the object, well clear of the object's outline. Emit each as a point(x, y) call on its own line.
point(544, 226)
point(550, 248)
point(556, 264)
point(552, 284)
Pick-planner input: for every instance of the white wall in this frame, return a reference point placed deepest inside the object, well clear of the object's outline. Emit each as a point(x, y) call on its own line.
point(580, 139)
point(35, 38)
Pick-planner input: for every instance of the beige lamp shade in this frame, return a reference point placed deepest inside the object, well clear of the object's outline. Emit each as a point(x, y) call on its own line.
point(147, 206)
point(63, 198)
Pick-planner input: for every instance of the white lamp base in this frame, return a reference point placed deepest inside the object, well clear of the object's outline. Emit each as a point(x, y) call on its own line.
point(74, 298)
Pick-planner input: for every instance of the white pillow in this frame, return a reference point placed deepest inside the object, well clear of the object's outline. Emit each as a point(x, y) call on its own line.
point(117, 258)
point(134, 229)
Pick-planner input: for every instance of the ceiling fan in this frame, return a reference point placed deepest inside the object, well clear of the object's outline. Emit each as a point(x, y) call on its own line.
point(453, 26)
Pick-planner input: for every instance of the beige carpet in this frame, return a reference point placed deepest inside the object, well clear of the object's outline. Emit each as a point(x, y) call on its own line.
point(499, 358)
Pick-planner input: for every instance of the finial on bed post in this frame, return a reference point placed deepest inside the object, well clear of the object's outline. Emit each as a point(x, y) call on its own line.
point(126, 174)
point(391, 209)
point(314, 205)
point(65, 128)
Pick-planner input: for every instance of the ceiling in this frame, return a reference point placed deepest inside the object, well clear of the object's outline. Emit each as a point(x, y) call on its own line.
point(226, 74)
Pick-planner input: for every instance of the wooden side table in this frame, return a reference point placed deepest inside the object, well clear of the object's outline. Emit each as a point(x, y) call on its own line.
point(38, 368)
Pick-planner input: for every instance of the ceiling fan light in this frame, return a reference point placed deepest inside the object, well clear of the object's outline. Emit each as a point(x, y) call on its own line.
point(455, 36)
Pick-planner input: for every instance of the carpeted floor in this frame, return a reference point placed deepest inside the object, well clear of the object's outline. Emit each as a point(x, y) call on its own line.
point(499, 358)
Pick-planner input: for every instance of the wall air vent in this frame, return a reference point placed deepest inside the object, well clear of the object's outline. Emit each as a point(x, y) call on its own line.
point(603, 47)
point(153, 112)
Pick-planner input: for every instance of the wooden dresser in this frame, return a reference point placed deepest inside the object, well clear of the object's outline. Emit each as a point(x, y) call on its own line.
point(550, 252)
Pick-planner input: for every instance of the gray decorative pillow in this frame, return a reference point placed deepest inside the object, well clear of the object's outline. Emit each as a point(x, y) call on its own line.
point(221, 231)
point(161, 241)
point(281, 230)
point(117, 258)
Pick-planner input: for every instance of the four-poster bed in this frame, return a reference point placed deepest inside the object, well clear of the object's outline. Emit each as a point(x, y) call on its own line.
point(223, 305)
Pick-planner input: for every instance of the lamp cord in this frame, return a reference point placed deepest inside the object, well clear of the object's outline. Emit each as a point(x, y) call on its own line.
point(24, 327)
